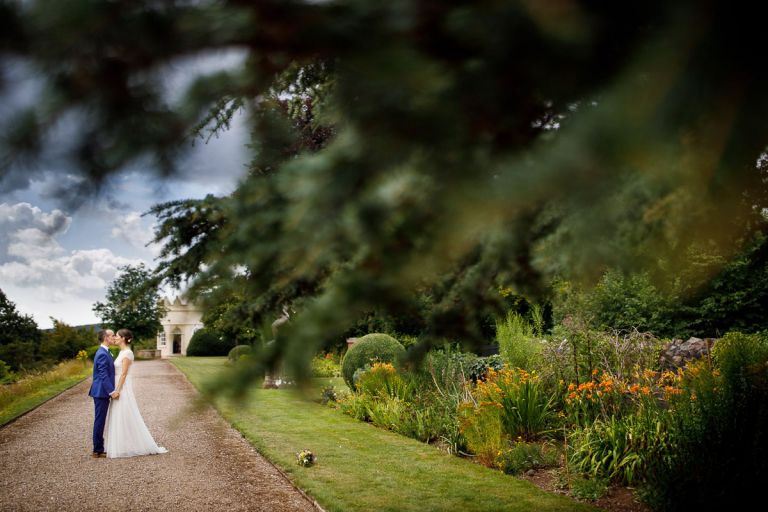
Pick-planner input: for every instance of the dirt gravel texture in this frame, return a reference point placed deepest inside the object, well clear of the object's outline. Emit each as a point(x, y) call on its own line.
point(46, 464)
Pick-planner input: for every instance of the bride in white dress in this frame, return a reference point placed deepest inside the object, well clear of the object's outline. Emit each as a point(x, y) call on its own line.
point(126, 435)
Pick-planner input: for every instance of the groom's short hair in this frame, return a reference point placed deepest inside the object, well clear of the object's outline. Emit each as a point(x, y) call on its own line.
point(102, 334)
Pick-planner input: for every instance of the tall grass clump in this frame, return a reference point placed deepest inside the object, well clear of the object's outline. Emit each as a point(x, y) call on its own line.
point(509, 405)
point(35, 388)
point(519, 340)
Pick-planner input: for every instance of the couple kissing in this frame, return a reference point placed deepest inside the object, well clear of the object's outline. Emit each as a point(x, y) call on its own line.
point(118, 428)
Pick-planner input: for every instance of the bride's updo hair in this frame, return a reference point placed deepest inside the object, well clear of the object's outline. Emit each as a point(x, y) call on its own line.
point(126, 335)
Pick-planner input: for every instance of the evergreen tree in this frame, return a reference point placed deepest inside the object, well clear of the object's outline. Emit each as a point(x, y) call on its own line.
point(458, 147)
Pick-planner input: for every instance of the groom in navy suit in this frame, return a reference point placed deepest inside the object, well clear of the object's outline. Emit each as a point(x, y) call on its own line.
point(102, 389)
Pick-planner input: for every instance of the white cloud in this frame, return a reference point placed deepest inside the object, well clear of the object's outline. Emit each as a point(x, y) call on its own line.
point(82, 273)
point(134, 230)
point(46, 279)
point(28, 232)
point(32, 244)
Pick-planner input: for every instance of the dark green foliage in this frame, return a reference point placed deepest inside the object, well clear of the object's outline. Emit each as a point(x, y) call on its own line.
point(20, 354)
point(207, 342)
point(720, 458)
point(19, 336)
point(64, 341)
point(132, 302)
point(453, 147)
point(374, 347)
point(630, 302)
point(737, 297)
point(238, 351)
point(226, 315)
point(91, 351)
point(716, 294)
point(480, 366)
point(6, 375)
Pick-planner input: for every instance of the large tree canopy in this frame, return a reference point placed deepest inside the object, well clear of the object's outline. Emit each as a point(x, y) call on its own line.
point(457, 145)
point(132, 302)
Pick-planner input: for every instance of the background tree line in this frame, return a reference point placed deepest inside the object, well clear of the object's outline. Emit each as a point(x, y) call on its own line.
point(23, 346)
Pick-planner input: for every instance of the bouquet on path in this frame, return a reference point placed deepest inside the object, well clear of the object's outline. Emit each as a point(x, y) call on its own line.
point(305, 458)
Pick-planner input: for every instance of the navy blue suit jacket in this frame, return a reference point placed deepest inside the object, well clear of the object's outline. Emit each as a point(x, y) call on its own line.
point(103, 374)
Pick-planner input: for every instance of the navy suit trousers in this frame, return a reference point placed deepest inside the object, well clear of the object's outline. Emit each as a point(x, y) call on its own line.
point(102, 406)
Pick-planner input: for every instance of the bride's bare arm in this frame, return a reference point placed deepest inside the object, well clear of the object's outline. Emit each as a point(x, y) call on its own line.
point(123, 374)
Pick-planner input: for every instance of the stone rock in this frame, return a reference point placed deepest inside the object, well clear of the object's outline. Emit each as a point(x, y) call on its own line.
point(677, 353)
point(530, 472)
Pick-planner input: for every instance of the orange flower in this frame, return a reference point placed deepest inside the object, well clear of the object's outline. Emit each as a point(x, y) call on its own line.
point(645, 390)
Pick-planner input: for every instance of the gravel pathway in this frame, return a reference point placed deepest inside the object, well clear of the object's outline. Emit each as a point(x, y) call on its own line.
point(45, 461)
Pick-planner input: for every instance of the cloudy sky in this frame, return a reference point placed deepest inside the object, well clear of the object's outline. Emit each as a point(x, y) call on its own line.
point(57, 260)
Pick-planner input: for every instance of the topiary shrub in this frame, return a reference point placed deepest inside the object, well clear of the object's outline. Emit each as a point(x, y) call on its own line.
point(371, 347)
point(207, 342)
point(238, 352)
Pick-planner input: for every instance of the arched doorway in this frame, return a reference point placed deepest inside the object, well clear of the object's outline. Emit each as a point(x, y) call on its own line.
point(177, 341)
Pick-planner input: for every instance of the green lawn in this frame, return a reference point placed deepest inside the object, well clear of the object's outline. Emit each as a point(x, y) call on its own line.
point(22, 396)
point(361, 467)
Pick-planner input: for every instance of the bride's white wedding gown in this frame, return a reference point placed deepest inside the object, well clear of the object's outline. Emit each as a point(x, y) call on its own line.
point(126, 435)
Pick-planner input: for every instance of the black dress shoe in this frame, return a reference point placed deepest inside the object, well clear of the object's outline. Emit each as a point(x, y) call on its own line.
point(98, 455)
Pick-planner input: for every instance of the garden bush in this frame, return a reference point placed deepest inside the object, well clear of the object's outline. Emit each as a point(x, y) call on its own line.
point(239, 351)
point(374, 347)
point(525, 408)
point(623, 450)
point(207, 342)
point(325, 365)
point(383, 381)
point(480, 366)
point(719, 429)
